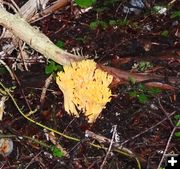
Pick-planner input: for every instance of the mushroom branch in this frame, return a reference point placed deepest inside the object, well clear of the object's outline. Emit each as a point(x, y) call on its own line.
point(34, 38)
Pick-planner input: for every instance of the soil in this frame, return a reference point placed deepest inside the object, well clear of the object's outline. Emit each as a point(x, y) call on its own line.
point(142, 126)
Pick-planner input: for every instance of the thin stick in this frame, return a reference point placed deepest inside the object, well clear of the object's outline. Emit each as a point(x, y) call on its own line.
point(8, 69)
point(46, 85)
point(167, 145)
point(114, 128)
point(165, 112)
point(33, 160)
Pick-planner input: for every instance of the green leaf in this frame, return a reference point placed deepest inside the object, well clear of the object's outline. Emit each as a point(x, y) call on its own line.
point(175, 14)
point(56, 152)
point(165, 33)
point(60, 44)
point(85, 3)
point(177, 117)
point(143, 98)
point(177, 134)
point(93, 25)
point(143, 66)
point(142, 87)
point(159, 9)
point(133, 93)
point(52, 67)
point(178, 124)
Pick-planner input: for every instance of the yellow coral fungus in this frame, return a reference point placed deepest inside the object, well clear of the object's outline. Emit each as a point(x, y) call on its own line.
point(85, 88)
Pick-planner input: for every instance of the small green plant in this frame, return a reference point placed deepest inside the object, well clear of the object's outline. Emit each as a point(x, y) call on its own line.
point(119, 22)
point(142, 66)
point(175, 14)
point(57, 152)
point(52, 67)
point(165, 33)
point(159, 9)
point(104, 25)
point(177, 134)
point(85, 3)
point(60, 44)
point(177, 118)
point(143, 93)
point(98, 23)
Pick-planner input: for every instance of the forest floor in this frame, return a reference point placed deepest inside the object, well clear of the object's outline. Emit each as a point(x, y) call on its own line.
point(142, 119)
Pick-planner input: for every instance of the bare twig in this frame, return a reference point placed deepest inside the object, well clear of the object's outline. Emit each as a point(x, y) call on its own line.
point(46, 85)
point(15, 5)
point(23, 55)
point(114, 129)
point(165, 112)
point(8, 69)
point(10, 5)
point(33, 159)
point(167, 145)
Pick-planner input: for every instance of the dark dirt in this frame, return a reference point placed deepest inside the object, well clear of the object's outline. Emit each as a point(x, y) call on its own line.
point(117, 46)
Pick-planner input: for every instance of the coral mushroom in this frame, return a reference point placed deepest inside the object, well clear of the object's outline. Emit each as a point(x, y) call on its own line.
point(85, 88)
